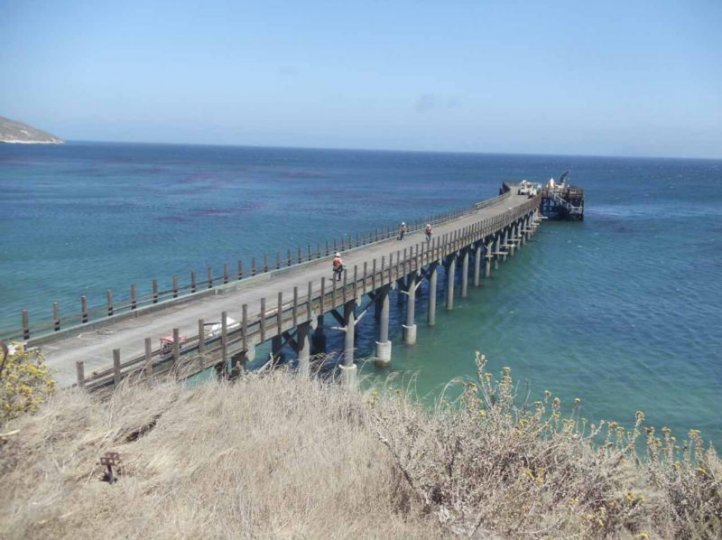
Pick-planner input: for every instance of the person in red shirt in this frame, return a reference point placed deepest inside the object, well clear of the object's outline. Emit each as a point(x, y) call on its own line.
point(337, 266)
point(428, 232)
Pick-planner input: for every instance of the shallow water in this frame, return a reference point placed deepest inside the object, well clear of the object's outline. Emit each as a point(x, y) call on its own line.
point(622, 310)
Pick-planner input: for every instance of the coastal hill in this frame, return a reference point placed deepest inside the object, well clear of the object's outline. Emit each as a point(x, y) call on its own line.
point(17, 132)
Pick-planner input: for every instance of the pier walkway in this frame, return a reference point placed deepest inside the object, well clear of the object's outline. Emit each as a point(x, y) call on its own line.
point(101, 352)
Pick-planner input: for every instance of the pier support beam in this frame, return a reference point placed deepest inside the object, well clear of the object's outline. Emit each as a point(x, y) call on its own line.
point(318, 341)
point(383, 345)
point(497, 249)
point(477, 264)
point(276, 345)
point(410, 326)
point(433, 277)
point(241, 360)
point(450, 274)
point(488, 256)
point(348, 368)
point(465, 274)
point(511, 240)
point(303, 348)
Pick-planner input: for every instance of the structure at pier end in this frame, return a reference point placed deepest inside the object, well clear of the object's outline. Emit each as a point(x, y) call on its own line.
point(559, 199)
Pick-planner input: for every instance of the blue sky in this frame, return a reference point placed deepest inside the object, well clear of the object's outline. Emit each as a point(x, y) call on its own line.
point(563, 77)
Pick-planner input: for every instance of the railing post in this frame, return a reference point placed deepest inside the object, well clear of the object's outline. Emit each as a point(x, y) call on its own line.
point(323, 294)
point(240, 269)
point(201, 336)
point(133, 297)
point(26, 324)
point(279, 314)
point(155, 291)
point(109, 297)
point(262, 322)
point(193, 282)
point(278, 260)
point(80, 371)
point(253, 266)
point(175, 286)
point(148, 368)
point(176, 348)
point(83, 309)
point(265, 263)
point(366, 267)
point(224, 343)
point(288, 257)
point(309, 300)
point(295, 306)
point(116, 367)
point(210, 277)
point(56, 316)
point(225, 273)
point(244, 325)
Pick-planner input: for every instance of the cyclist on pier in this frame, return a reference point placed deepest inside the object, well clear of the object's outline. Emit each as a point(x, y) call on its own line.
point(337, 266)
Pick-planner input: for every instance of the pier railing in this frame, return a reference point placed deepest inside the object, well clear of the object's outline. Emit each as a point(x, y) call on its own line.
point(187, 356)
point(202, 284)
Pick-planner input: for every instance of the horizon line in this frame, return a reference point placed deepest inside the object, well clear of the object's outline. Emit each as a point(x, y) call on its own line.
point(406, 151)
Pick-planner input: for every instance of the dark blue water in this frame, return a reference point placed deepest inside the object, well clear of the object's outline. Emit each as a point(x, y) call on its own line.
point(622, 310)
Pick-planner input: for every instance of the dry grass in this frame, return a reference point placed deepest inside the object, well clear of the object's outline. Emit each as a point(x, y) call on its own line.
point(277, 456)
point(266, 457)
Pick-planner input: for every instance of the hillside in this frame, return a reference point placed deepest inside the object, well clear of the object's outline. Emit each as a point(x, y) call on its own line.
point(279, 456)
point(17, 132)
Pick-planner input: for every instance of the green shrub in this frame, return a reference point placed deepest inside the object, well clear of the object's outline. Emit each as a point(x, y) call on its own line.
point(24, 381)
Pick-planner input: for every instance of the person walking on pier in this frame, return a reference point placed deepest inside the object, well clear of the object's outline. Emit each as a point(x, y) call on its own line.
point(428, 231)
point(402, 230)
point(337, 266)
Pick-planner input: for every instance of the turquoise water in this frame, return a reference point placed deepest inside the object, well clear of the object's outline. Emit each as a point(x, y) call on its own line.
point(622, 310)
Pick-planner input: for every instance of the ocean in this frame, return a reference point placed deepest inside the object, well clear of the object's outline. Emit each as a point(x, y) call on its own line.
point(621, 310)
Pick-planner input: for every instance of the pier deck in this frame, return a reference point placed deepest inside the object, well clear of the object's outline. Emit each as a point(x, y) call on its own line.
point(93, 345)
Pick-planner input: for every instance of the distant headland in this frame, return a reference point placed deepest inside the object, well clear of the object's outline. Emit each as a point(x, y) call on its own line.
point(17, 132)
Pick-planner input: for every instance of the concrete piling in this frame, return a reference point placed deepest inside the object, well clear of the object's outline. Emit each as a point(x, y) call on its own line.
point(410, 326)
point(450, 275)
point(348, 368)
point(383, 345)
point(477, 265)
point(433, 277)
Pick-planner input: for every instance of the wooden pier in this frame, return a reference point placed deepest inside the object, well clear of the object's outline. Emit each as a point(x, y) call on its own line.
point(220, 322)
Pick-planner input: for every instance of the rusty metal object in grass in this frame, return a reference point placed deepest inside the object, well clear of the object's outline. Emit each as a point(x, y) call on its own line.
point(110, 460)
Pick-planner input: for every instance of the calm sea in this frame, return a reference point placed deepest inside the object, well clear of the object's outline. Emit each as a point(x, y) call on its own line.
point(622, 310)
